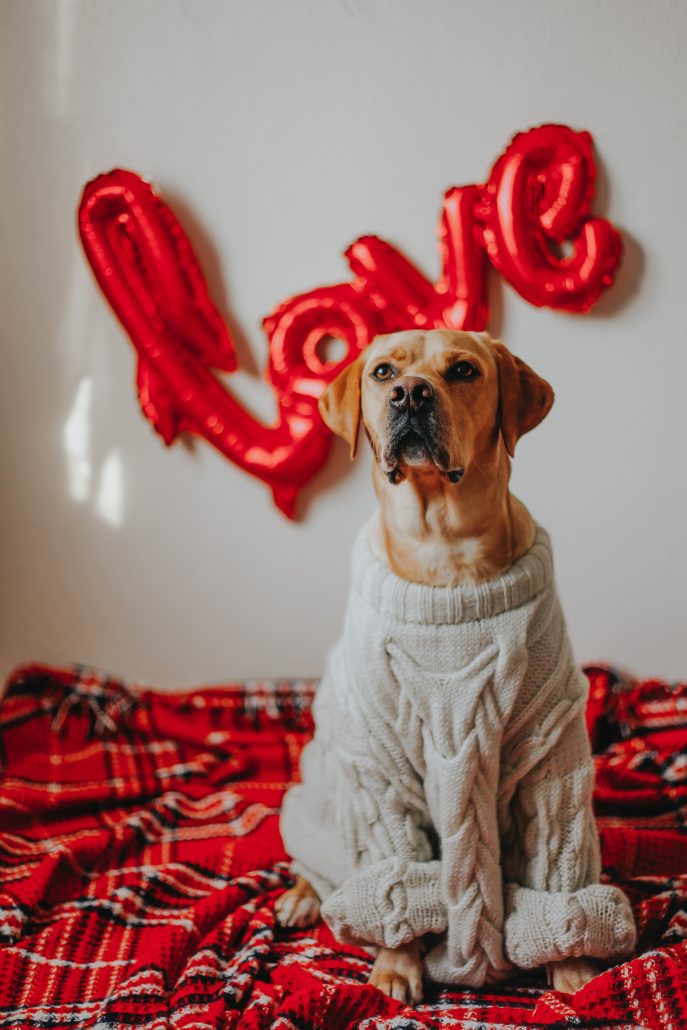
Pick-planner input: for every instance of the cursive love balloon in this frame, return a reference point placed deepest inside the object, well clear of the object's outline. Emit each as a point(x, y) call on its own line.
point(146, 268)
point(538, 195)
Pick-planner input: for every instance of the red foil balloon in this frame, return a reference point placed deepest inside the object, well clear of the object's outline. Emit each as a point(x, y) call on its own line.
point(539, 194)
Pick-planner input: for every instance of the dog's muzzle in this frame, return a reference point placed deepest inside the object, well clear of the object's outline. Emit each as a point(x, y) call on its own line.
point(413, 430)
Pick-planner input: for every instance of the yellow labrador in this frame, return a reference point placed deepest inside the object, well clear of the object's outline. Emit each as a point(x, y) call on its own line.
point(443, 411)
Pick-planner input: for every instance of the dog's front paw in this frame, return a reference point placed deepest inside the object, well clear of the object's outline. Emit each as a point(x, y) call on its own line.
point(397, 972)
point(299, 906)
point(570, 974)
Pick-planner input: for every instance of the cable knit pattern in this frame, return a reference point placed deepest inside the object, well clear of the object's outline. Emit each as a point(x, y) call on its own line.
point(448, 784)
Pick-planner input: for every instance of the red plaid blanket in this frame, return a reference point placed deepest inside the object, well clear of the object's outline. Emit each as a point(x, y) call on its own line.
point(140, 860)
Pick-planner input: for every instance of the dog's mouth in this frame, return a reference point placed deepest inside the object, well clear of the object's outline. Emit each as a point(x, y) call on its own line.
point(412, 445)
point(413, 449)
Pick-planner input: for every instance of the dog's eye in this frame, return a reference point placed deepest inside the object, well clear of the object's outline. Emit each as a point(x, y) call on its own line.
point(462, 372)
point(383, 372)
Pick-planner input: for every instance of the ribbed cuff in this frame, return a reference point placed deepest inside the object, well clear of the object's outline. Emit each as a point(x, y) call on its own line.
point(540, 927)
point(388, 903)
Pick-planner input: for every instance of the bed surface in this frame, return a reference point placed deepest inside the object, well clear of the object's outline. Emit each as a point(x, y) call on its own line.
point(140, 860)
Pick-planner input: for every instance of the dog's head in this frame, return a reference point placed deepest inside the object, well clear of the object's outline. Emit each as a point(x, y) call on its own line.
point(436, 399)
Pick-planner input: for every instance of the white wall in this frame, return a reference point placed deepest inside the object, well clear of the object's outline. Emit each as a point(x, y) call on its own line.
point(281, 131)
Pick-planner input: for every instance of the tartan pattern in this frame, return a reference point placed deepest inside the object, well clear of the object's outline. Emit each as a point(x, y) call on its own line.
point(140, 860)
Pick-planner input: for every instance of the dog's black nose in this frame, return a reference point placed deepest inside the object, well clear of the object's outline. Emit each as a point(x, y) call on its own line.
point(411, 394)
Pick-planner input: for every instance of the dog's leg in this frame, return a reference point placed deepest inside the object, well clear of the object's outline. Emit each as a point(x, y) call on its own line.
point(570, 974)
point(299, 906)
point(397, 972)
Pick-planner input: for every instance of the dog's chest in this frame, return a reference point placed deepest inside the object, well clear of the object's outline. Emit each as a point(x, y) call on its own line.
point(435, 565)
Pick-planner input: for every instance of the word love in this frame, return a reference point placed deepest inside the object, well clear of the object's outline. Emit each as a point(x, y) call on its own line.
point(537, 198)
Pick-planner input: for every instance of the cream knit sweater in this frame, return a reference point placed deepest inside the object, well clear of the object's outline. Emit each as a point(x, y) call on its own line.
point(448, 785)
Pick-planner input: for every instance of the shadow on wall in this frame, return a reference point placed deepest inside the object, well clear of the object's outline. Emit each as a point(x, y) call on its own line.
point(629, 275)
point(215, 275)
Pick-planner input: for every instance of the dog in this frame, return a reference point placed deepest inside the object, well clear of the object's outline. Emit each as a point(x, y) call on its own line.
point(443, 411)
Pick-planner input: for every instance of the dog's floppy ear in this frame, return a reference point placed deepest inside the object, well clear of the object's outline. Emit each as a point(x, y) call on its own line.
point(524, 397)
point(340, 404)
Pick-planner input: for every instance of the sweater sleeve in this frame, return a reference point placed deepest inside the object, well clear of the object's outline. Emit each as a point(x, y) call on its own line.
point(555, 906)
point(394, 891)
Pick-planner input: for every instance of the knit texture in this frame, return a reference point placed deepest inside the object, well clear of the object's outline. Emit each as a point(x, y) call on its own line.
point(448, 784)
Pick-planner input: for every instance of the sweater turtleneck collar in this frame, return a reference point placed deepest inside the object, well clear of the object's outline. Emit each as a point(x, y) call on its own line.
point(405, 601)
